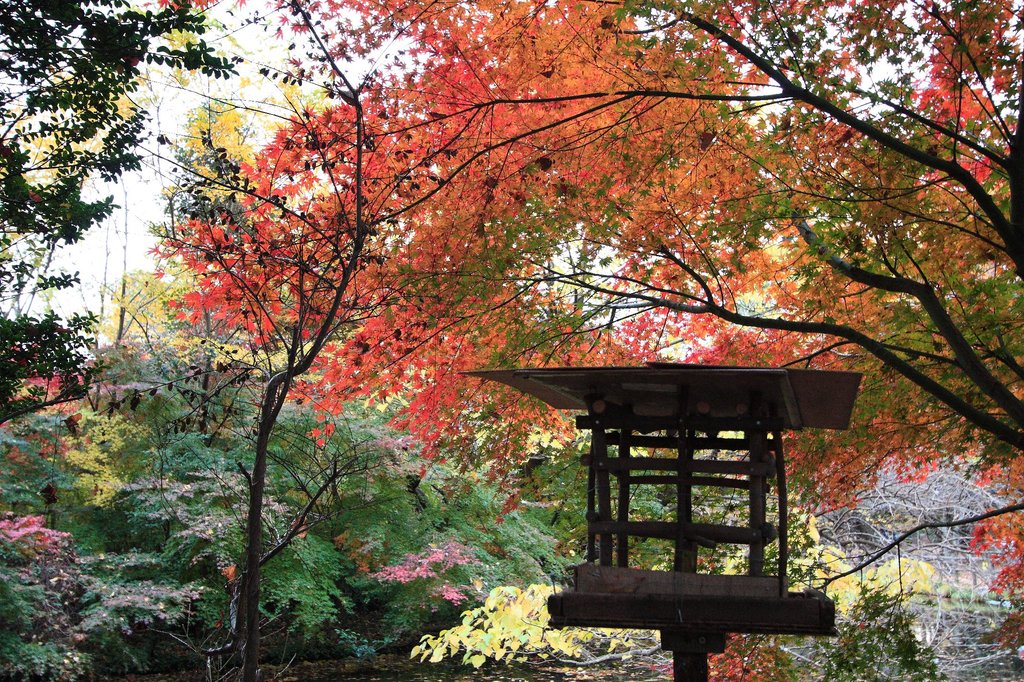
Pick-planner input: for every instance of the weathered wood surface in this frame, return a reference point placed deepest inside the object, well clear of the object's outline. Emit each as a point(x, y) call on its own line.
point(622, 540)
point(696, 466)
point(592, 578)
point(692, 532)
point(599, 451)
point(794, 614)
point(698, 443)
point(645, 424)
point(802, 398)
point(685, 558)
point(758, 493)
point(684, 642)
point(690, 667)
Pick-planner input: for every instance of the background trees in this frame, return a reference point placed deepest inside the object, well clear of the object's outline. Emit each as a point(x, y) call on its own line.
point(143, 575)
point(69, 69)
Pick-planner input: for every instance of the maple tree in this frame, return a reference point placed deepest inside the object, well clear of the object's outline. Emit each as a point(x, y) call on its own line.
point(747, 184)
point(835, 184)
point(292, 246)
point(264, 262)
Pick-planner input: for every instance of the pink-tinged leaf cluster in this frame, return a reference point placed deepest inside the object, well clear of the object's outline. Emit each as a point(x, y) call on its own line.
point(431, 563)
point(451, 594)
point(29, 536)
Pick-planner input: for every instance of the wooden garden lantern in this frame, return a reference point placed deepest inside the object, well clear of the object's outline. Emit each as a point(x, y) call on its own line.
point(688, 430)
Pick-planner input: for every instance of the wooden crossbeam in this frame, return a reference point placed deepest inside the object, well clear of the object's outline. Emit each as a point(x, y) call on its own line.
point(696, 466)
point(796, 613)
point(616, 580)
point(644, 424)
point(670, 442)
point(694, 480)
point(691, 532)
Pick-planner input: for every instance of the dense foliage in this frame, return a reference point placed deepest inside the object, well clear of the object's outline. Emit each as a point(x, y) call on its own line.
point(68, 71)
point(152, 536)
point(281, 445)
point(687, 170)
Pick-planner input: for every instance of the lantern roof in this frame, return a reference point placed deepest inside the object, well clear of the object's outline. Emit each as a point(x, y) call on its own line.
point(801, 397)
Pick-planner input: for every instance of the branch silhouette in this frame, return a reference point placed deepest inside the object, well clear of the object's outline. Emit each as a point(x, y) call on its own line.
point(1009, 509)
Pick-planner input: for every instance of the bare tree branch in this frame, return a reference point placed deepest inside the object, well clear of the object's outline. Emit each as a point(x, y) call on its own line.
point(1009, 509)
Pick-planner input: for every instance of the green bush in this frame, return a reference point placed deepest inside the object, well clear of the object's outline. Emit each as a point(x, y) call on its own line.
point(876, 643)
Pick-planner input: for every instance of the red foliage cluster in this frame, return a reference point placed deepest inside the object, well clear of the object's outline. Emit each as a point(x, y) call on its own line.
point(428, 564)
point(29, 536)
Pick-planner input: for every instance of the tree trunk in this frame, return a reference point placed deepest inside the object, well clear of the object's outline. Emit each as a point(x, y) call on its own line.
point(249, 638)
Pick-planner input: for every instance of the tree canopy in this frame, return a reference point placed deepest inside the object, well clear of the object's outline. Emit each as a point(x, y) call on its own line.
point(448, 186)
point(827, 183)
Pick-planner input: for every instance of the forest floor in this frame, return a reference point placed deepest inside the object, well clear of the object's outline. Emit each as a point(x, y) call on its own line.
point(400, 669)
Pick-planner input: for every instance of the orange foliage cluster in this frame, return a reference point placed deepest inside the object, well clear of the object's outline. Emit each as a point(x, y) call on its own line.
point(619, 151)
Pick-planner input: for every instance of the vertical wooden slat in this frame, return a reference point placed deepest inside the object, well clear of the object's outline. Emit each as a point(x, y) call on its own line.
point(604, 492)
point(685, 550)
point(780, 463)
point(622, 538)
point(591, 511)
point(689, 667)
point(758, 447)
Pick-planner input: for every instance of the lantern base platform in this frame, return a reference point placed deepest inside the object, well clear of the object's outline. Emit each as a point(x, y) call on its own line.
point(607, 596)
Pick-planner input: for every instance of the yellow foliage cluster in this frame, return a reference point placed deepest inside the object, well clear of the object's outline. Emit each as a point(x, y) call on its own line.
point(896, 576)
point(512, 625)
point(105, 455)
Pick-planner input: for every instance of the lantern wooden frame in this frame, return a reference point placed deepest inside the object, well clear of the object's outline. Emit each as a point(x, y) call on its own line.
point(694, 413)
